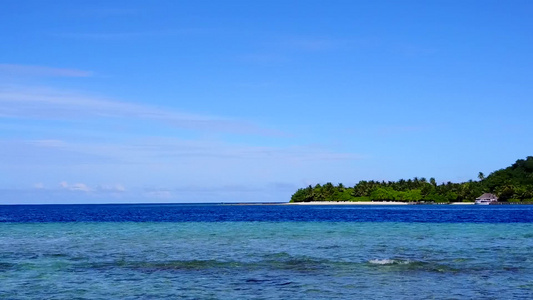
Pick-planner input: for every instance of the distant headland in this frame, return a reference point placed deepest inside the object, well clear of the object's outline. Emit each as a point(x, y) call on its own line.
point(513, 184)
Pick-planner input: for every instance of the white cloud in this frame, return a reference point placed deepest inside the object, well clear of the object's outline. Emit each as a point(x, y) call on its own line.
point(80, 187)
point(101, 189)
point(39, 186)
point(77, 187)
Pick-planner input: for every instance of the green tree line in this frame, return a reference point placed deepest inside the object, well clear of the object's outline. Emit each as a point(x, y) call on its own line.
point(514, 184)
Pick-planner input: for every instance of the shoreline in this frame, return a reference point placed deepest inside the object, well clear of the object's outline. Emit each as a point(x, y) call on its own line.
point(369, 203)
point(347, 203)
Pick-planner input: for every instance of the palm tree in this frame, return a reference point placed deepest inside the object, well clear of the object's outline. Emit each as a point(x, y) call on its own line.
point(481, 176)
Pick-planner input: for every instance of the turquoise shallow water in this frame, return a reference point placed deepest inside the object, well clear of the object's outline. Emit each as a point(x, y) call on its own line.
point(266, 260)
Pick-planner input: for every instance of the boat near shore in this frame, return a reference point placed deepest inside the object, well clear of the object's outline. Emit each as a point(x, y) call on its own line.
point(486, 199)
point(485, 202)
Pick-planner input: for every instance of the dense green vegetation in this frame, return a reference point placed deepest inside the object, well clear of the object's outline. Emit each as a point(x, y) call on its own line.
point(514, 184)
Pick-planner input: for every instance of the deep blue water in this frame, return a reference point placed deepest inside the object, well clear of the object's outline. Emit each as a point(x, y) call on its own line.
point(266, 252)
point(266, 213)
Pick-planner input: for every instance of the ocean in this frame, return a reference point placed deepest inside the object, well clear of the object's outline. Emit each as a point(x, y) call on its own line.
point(216, 251)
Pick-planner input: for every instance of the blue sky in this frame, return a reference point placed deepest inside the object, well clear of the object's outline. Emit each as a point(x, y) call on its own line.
point(230, 101)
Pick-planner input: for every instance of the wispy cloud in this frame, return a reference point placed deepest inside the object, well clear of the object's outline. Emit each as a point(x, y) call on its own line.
point(48, 143)
point(82, 187)
point(321, 44)
point(412, 49)
point(115, 188)
point(67, 193)
point(49, 104)
point(313, 44)
point(81, 193)
point(106, 35)
point(395, 130)
point(110, 12)
point(218, 189)
point(160, 150)
point(264, 58)
point(281, 49)
point(158, 194)
point(41, 71)
point(130, 35)
point(392, 130)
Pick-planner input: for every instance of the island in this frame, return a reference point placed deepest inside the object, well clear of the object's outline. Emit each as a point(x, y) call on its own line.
point(513, 184)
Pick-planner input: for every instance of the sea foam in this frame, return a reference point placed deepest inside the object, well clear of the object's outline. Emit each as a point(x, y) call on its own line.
point(387, 261)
